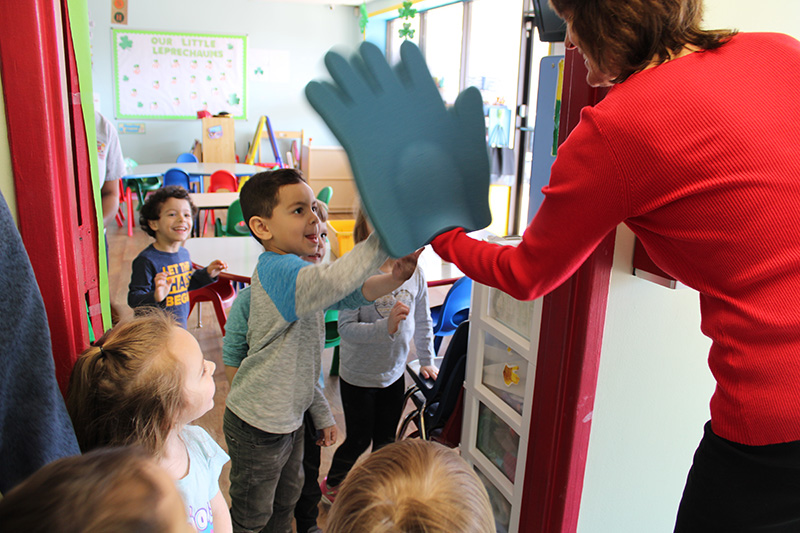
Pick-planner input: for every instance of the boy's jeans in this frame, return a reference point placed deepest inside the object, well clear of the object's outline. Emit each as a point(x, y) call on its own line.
point(266, 476)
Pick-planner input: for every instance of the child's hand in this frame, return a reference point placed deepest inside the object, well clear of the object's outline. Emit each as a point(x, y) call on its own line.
point(216, 267)
point(429, 372)
point(328, 436)
point(405, 266)
point(398, 313)
point(162, 287)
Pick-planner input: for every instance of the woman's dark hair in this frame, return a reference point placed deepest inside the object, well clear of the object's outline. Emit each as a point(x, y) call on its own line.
point(625, 36)
point(151, 209)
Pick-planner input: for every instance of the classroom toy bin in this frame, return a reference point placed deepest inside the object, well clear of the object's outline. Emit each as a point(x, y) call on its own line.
point(340, 235)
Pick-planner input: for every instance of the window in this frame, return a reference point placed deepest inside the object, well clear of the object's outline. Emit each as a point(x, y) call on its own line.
point(443, 48)
point(493, 62)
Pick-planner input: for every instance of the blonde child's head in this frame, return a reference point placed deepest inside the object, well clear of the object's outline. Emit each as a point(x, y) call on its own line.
point(144, 378)
point(109, 489)
point(412, 485)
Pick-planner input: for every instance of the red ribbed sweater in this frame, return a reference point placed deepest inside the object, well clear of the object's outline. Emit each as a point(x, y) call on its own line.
point(700, 157)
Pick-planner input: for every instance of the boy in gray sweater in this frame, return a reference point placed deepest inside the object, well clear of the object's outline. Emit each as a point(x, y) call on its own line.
point(276, 382)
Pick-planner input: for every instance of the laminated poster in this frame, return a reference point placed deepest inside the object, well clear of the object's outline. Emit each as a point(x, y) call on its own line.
point(163, 75)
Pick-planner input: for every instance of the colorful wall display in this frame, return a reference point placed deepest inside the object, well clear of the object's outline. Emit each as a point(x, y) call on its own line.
point(163, 75)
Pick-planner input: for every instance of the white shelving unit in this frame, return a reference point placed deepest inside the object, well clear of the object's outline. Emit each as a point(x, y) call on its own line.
point(501, 370)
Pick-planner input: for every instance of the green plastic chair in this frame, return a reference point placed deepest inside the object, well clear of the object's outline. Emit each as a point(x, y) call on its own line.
point(325, 194)
point(142, 186)
point(235, 226)
point(332, 338)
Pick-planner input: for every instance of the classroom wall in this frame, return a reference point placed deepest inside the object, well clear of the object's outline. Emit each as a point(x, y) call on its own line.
point(306, 31)
point(654, 385)
point(6, 174)
point(653, 389)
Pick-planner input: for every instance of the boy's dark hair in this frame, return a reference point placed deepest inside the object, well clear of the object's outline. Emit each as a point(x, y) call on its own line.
point(151, 209)
point(259, 195)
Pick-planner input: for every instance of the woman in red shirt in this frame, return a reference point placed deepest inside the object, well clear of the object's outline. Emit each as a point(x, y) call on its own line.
point(695, 148)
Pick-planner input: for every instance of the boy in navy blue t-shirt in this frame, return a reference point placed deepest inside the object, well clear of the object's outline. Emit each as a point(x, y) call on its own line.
point(162, 273)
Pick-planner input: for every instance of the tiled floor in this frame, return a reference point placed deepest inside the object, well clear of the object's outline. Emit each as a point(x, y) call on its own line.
point(123, 250)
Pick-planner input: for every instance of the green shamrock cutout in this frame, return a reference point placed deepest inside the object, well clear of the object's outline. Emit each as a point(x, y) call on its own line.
point(364, 17)
point(406, 11)
point(125, 42)
point(406, 32)
point(234, 99)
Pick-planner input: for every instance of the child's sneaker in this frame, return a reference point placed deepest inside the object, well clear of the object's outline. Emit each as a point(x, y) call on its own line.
point(328, 493)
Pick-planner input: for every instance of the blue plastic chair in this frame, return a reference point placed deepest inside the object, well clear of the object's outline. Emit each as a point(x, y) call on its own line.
point(453, 311)
point(176, 176)
point(186, 157)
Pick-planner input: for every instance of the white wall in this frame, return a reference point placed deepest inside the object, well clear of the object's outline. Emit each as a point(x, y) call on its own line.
point(654, 385)
point(765, 15)
point(306, 31)
point(652, 399)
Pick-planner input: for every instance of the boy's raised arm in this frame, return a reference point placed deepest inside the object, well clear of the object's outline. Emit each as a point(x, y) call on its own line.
point(403, 269)
point(319, 287)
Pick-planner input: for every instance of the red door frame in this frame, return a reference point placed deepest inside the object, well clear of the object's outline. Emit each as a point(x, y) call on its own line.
point(49, 159)
point(573, 318)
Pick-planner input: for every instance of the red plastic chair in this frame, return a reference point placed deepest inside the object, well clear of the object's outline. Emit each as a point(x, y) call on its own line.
point(120, 216)
point(221, 295)
point(220, 180)
point(127, 214)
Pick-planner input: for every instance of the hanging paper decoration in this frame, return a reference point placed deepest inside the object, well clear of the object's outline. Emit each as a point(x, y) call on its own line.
point(363, 19)
point(407, 12)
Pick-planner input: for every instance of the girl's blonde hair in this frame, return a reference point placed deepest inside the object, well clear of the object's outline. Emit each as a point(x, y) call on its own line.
point(128, 388)
point(412, 486)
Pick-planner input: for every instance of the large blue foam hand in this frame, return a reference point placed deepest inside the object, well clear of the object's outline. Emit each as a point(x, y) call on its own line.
point(420, 168)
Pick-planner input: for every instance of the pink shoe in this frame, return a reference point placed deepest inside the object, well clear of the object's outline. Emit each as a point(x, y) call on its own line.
point(328, 493)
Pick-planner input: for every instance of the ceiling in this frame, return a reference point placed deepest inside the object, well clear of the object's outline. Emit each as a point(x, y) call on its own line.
point(322, 2)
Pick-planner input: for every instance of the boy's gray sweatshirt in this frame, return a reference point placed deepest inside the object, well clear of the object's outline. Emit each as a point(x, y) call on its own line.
point(276, 381)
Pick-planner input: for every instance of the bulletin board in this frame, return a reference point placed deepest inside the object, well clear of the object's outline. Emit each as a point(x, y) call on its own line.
point(167, 75)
